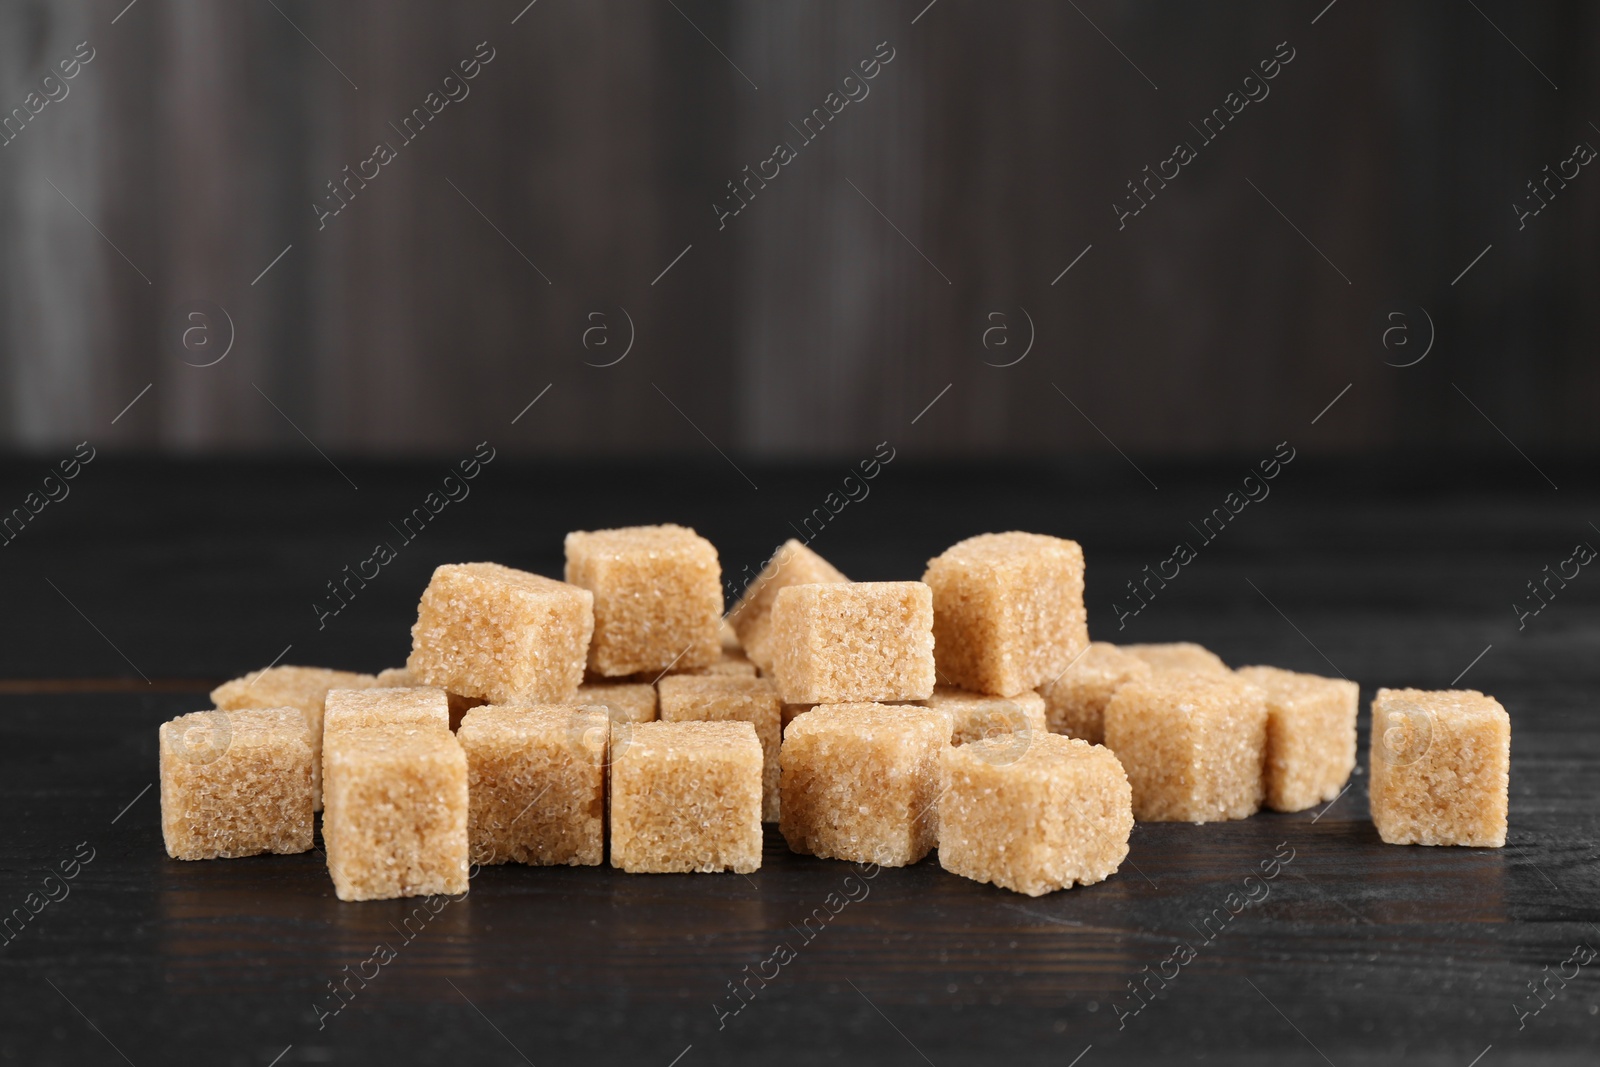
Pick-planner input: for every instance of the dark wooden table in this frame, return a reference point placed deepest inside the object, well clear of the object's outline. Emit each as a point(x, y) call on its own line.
point(150, 582)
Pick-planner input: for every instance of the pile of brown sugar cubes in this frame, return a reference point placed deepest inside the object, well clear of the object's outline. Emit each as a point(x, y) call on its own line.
point(538, 722)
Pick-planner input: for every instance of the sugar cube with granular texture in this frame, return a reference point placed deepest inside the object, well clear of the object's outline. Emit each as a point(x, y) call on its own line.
point(395, 822)
point(1075, 703)
point(495, 634)
point(536, 783)
point(657, 597)
point(792, 564)
point(1441, 764)
point(626, 702)
point(236, 783)
point(1007, 611)
point(1193, 745)
point(1179, 656)
point(348, 709)
point(1054, 815)
point(861, 782)
point(401, 678)
point(842, 642)
point(1311, 735)
point(686, 797)
point(686, 698)
point(974, 716)
point(295, 687)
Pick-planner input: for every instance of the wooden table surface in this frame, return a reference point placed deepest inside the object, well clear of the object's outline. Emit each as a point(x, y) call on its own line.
point(152, 581)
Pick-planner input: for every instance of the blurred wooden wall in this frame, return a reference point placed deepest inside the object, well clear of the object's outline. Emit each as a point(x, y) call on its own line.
point(854, 286)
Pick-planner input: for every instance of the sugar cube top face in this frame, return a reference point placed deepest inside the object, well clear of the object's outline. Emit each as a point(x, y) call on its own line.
point(861, 782)
point(496, 634)
point(1311, 735)
point(1179, 656)
point(1008, 611)
point(627, 702)
point(657, 597)
point(1441, 765)
point(305, 688)
point(1057, 814)
point(395, 823)
point(536, 783)
point(686, 797)
point(236, 783)
point(975, 716)
point(1193, 745)
point(1075, 702)
point(687, 698)
point(354, 708)
point(792, 564)
point(843, 642)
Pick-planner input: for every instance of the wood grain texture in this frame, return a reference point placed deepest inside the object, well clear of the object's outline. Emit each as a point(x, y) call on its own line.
point(598, 140)
point(1360, 953)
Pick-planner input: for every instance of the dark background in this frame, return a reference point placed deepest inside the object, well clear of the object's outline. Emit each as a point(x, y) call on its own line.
point(1241, 313)
point(590, 151)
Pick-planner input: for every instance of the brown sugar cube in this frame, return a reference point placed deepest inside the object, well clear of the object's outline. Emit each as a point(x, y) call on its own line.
point(1179, 656)
point(1311, 735)
point(401, 678)
point(792, 564)
point(657, 597)
point(347, 709)
point(491, 633)
point(236, 783)
point(844, 642)
point(974, 716)
point(686, 797)
point(1441, 764)
point(861, 782)
point(1193, 745)
point(1007, 611)
point(685, 698)
point(1056, 815)
point(295, 687)
point(536, 783)
point(626, 702)
point(395, 824)
point(352, 709)
point(1075, 703)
